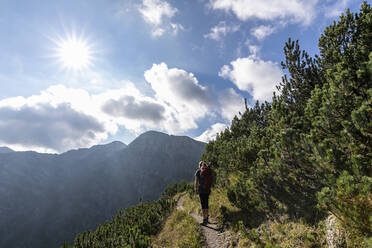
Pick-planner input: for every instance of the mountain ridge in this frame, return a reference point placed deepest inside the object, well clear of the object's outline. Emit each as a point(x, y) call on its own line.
point(4, 149)
point(79, 189)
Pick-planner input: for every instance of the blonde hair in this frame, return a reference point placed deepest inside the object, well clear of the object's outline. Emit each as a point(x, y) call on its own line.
point(201, 163)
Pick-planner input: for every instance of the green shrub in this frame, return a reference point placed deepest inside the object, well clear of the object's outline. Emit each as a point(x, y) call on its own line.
point(134, 226)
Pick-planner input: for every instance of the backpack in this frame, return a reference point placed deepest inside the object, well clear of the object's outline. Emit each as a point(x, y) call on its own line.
point(205, 179)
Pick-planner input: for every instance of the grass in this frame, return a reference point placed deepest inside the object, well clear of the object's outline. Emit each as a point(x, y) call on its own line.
point(265, 234)
point(272, 234)
point(180, 230)
point(217, 201)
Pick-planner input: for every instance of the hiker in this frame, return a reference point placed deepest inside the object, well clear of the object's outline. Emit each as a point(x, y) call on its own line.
point(202, 185)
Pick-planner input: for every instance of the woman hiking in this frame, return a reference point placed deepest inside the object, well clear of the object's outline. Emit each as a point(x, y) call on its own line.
point(202, 185)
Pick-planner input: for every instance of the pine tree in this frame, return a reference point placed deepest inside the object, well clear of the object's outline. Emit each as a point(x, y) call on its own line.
point(341, 112)
point(283, 168)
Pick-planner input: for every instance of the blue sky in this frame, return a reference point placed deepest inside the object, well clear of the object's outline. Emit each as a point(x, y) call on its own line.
point(78, 73)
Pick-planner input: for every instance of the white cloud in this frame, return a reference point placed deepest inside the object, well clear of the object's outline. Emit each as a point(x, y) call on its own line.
point(129, 108)
point(176, 28)
point(177, 86)
point(221, 30)
point(56, 120)
point(262, 31)
point(187, 100)
point(296, 11)
point(253, 49)
point(211, 133)
point(336, 9)
point(132, 108)
point(154, 11)
point(158, 32)
point(61, 118)
point(158, 14)
point(253, 75)
point(57, 128)
point(231, 104)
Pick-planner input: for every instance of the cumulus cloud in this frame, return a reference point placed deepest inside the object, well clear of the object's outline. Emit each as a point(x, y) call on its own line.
point(253, 49)
point(221, 30)
point(231, 104)
point(211, 133)
point(262, 31)
point(186, 99)
point(256, 76)
point(158, 32)
point(153, 11)
point(158, 13)
point(61, 118)
point(132, 108)
point(42, 125)
point(129, 108)
point(176, 86)
point(296, 11)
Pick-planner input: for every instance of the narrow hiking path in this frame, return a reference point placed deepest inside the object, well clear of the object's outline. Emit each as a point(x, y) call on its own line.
point(213, 237)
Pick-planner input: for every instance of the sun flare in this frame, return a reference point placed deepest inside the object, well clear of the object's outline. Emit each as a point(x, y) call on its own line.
point(74, 53)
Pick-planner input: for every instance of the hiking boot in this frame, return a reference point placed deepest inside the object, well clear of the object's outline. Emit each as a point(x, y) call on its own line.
point(205, 222)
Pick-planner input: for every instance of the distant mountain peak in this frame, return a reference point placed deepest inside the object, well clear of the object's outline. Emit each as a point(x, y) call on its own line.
point(153, 133)
point(154, 141)
point(117, 143)
point(114, 143)
point(157, 134)
point(4, 149)
point(113, 146)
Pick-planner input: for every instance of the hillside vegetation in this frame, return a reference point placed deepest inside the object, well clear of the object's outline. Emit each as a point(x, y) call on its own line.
point(308, 154)
point(283, 168)
point(133, 227)
point(232, 222)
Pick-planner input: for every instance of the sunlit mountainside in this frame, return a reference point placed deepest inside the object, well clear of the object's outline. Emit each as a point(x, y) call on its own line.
point(46, 198)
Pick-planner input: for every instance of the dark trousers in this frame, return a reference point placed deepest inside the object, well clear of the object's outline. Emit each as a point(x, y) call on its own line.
point(204, 197)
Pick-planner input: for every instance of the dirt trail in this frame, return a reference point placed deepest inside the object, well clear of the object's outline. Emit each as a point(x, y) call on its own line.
point(213, 236)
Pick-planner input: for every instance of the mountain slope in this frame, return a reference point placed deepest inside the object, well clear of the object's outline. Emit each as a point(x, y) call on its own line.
point(5, 150)
point(58, 196)
point(159, 159)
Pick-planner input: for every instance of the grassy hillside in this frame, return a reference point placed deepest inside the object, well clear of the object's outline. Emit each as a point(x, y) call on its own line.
point(246, 230)
point(249, 230)
point(180, 230)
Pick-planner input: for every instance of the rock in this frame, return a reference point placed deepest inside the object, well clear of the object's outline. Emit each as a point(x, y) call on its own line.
point(335, 234)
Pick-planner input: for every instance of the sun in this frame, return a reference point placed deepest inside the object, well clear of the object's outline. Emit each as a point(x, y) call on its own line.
point(74, 53)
